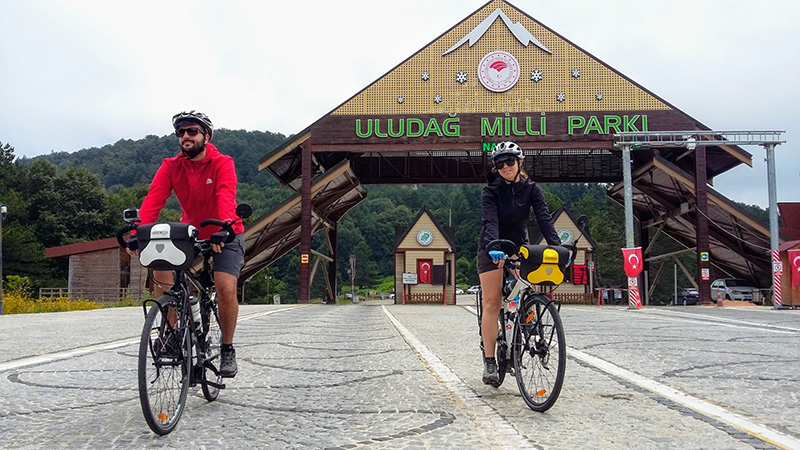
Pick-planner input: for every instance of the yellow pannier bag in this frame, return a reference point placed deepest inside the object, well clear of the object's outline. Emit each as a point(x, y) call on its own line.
point(543, 264)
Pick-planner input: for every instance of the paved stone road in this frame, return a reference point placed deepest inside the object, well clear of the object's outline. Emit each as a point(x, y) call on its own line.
point(392, 376)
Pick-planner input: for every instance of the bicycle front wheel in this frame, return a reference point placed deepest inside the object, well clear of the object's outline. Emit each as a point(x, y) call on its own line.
point(163, 366)
point(213, 345)
point(501, 349)
point(540, 353)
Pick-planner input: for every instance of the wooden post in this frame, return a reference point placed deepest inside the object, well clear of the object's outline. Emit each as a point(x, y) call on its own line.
point(701, 214)
point(305, 222)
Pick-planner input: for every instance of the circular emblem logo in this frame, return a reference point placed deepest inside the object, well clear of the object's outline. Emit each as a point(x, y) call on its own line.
point(424, 237)
point(565, 235)
point(498, 71)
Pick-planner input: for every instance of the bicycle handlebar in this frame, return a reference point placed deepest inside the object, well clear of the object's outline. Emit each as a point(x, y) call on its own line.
point(121, 232)
point(226, 226)
point(510, 248)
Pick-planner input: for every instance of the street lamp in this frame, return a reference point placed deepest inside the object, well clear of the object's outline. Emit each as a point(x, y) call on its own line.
point(3, 211)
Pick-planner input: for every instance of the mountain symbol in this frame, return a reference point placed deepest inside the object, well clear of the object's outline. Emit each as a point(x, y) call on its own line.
point(517, 29)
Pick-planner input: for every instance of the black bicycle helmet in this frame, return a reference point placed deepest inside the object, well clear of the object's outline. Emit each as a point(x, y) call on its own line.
point(507, 148)
point(194, 117)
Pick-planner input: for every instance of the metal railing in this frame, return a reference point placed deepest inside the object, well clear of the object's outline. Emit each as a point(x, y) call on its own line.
point(102, 295)
point(697, 137)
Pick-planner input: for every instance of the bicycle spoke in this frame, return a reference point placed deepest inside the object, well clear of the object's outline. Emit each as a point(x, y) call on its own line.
point(163, 372)
point(213, 346)
point(539, 353)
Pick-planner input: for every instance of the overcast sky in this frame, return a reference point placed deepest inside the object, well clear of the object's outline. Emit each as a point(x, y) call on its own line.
point(77, 74)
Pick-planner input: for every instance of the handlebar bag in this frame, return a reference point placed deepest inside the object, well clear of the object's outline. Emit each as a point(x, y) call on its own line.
point(166, 246)
point(543, 264)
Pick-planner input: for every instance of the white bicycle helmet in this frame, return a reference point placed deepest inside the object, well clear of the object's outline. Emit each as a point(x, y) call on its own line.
point(194, 117)
point(507, 148)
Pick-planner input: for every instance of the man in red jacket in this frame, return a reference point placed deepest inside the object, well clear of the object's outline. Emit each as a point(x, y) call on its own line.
point(204, 180)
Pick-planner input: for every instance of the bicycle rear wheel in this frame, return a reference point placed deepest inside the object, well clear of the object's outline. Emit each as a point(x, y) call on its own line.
point(500, 346)
point(540, 353)
point(163, 368)
point(213, 345)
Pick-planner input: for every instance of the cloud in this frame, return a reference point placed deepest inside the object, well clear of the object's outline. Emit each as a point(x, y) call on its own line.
point(88, 72)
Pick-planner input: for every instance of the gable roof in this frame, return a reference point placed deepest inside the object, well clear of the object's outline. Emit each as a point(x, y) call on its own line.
point(498, 25)
point(557, 78)
point(574, 221)
point(446, 232)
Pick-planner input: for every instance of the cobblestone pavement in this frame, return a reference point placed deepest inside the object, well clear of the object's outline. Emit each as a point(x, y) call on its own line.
point(383, 376)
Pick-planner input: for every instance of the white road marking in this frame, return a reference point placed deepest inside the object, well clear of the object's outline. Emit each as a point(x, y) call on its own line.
point(506, 435)
point(711, 320)
point(701, 406)
point(66, 354)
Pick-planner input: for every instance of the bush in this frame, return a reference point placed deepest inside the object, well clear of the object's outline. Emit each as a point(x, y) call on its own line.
point(18, 303)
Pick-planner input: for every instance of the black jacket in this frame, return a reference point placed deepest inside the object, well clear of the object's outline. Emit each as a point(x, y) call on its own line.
point(505, 210)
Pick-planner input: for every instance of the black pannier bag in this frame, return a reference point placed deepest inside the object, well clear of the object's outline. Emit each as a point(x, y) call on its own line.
point(543, 264)
point(166, 246)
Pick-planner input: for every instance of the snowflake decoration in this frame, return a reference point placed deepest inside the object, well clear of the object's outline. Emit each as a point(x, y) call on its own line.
point(561, 96)
point(400, 99)
point(599, 96)
point(437, 98)
point(426, 76)
point(461, 77)
point(536, 75)
point(576, 73)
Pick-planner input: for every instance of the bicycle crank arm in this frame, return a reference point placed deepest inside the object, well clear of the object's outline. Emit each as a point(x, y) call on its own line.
point(214, 385)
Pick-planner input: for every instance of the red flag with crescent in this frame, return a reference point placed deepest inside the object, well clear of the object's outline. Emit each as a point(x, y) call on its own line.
point(794, 262)
point(633, 261)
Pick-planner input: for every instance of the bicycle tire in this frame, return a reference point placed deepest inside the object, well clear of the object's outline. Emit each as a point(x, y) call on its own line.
point(538, 340)
point(163, 375)
point(213, 345)
point(501, 350)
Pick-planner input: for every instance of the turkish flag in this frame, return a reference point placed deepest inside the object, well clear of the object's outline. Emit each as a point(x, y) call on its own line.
point(794, 262)
point(633, 261)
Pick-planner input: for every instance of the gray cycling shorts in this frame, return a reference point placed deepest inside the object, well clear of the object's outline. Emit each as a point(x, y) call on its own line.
point(231, 259)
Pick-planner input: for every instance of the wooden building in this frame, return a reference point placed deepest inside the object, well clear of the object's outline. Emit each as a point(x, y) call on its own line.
point(99, 270)
point(425, 262)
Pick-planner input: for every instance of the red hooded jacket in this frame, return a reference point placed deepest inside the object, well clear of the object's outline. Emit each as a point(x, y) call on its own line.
point(206, 189)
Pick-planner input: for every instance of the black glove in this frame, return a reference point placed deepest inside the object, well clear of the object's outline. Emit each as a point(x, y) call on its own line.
point(132, 244)
point(219, 237)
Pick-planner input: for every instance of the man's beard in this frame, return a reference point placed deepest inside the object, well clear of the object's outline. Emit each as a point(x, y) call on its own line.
point(195, 150)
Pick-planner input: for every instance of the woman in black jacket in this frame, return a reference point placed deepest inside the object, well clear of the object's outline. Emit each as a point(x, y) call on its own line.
point(506, 203)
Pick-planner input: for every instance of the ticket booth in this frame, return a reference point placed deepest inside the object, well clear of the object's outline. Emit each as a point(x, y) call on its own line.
point(425, 262)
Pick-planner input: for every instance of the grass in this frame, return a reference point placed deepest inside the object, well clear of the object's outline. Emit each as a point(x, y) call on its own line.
point(20, 303)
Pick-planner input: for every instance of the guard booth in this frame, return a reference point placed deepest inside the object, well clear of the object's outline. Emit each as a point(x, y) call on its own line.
point(790, 253)
point(425, 262)
point(578, 286)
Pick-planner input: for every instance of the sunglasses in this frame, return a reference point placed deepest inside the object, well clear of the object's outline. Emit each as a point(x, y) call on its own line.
point(190, 131)
point(500, 163)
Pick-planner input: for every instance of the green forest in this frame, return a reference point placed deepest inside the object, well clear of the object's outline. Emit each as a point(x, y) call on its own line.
point(68, 197)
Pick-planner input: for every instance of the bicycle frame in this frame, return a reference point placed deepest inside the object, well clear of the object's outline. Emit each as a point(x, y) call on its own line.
point(180, 293)
point(519, 292)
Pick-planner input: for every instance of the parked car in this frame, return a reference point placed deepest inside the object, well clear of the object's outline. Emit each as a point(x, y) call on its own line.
point(473, 289)
point(686, 296)
point(459, 291)
point(733, 289)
